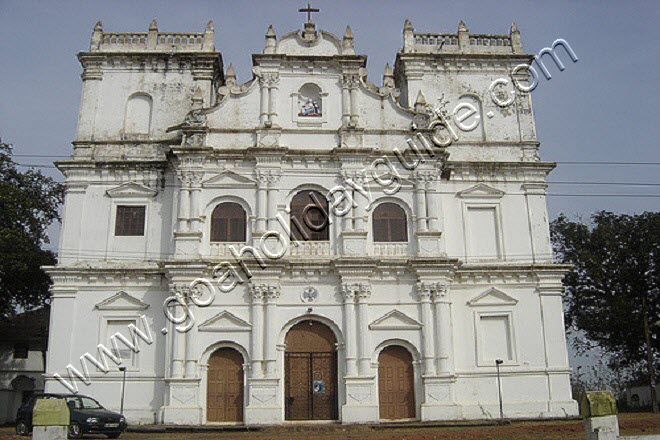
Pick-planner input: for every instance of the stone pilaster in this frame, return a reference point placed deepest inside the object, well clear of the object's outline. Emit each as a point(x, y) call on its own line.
point(427, 213)
point(263, 406)
point(189, 168)
point(354, 233)
point(361, 404)
point(550, 290)
point(537, 217)
point(183, 400)
point(439, 402)
point(425, 292)
point(257, 293)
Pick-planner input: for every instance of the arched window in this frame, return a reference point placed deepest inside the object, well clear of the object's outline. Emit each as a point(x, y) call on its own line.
point(390, 223)
point(228, 223)
point(309, 217)
point(138, 114)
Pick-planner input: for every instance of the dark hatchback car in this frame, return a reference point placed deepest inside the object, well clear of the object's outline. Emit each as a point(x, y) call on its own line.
point(87, 416)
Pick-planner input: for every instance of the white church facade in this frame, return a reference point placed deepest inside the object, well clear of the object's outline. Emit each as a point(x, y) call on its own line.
point(307, 244)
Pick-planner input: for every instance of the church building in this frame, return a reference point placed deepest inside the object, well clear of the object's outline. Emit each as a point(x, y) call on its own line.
point(315, 242)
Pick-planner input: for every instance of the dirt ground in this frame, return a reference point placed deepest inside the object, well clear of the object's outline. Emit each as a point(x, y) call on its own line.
point(630, 424)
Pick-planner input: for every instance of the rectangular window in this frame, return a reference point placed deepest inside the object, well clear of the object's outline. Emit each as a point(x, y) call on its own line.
point(21, 350)
point(127, 355)
point(495, 333)
point(483, 233)
point(130, 221)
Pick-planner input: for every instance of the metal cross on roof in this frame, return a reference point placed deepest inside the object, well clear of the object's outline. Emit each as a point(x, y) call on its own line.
point(309, 11)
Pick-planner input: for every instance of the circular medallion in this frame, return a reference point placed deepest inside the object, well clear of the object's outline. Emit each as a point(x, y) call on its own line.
point(309, 294)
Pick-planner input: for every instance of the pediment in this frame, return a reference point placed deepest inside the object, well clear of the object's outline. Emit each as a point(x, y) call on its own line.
point(395, 320)
point(229, 179)
point(481, 191)
point(225, 322)
point(131, 189)
point(493, 297)
point(121, 301)
point(293, 43)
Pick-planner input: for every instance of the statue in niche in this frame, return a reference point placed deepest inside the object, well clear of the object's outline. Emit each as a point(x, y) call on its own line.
point(309, 101)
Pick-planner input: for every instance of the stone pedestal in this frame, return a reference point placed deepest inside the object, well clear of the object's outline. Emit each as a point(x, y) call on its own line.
point(428, 243)
point(186, 244)
point(263, 402)
point(439, 402)
point(49, 433)
point(602, 428)
point(184, 407)
point(354, 243)
point(361, 401)
point(268, 137)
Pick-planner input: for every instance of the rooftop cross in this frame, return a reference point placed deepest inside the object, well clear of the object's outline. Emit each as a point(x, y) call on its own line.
point(309, 11)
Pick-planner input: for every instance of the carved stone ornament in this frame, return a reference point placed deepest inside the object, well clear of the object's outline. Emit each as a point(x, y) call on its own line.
point(356, 290)
point(262, 290)
point(310, 294)
point(195, 139)
point(195, 118)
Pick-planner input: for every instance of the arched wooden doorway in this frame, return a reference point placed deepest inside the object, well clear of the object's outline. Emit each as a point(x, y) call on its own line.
point(310, 363)
point(396, 383)
point(224, 390)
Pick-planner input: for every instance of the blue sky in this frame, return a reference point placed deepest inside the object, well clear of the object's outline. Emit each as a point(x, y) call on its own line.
point(600, 109)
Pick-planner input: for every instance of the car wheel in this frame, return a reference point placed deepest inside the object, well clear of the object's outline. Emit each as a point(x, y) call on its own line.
point(75, 431)
point(22, 428)
point(114, 435)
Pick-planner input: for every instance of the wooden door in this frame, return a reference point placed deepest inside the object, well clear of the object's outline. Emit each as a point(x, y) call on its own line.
point(396, 384)
point(224, 392)
point(310, 368)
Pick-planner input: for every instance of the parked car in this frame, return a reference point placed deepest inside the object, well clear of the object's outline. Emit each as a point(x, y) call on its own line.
point(87, 416)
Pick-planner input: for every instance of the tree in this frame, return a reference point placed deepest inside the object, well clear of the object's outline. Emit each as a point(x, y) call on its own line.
point(29, 203)
point(612, 292)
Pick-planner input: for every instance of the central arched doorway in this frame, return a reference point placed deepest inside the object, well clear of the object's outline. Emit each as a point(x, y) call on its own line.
point(310, 364)
point(396, 383)
point(224, 391)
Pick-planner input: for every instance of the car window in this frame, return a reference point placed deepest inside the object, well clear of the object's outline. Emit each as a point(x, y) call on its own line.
point(73, 402)
point(88, 403)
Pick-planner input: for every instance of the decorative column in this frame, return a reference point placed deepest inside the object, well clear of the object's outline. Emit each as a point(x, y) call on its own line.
point(433, 210)
point(354, 101)
point(350, 336)
point(420, 203)
point(263, 101)
point(256, 337)
point(182, 402)
point(272, 293)
point(425, 291)
point(354, 231)
point(426, 212)
point(263, 406)
point(273, 82)
point(178, 342)
point(363, 294)
point(273, 193)
point(184, 201)
point(195, 191)
point(361, 209)
point(345, 103)
point(443, 318)
point(262, 200)
point(361, 403)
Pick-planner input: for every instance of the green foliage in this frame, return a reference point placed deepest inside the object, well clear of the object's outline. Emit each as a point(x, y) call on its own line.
point(28, 205)
point(613, 283)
